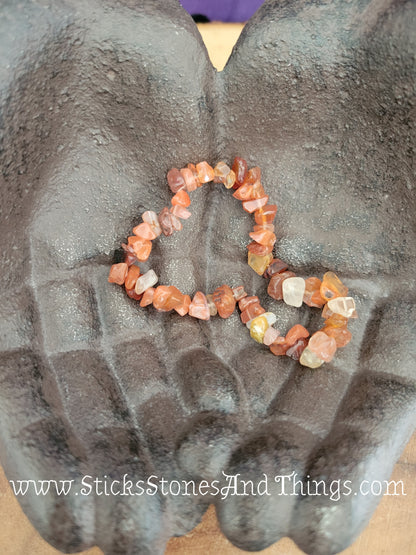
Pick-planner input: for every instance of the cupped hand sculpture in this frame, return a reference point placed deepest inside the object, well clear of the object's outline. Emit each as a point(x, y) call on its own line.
point(98, 101)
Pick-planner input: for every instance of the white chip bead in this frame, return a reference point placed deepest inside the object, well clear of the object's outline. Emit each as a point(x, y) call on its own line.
point(145, 281)
point(344, 306)
point(151, 218)
point(270, 317)
point(310, 359)
point(293, 290)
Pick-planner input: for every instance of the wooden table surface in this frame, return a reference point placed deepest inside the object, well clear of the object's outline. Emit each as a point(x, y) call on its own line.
point(392, 530)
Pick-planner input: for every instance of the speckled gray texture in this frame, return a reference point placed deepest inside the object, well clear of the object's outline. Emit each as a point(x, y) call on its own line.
point(98, 100)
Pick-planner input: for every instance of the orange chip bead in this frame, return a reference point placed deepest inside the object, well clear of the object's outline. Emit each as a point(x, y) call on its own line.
point(336, 321)
point(145, 231)
point(251, 312)
point(323, 346)
point(266, 214)
point(312, 295)
point(342, 335)
point(258, 191)
point(166, 298)
point(205, 172)
point(239, 167)
point(181, 198)
point(224, 300)
point(295, 333)
point(279, 346)
point(180, 212)
point(132, 276)
point(118, 273)
point(244, 192)
point(251, 206)
point(183, 308)
point(141, 247)
point(199, 307)
point(191, 181)
point(253, 175)
point(147, 296)
point(332, 287)
point(264, 237)
point(133, 295)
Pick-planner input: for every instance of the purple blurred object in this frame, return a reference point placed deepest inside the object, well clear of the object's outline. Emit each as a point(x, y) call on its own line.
point(222, 10)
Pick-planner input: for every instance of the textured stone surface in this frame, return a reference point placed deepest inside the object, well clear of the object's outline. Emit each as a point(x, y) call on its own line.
point(98, 101)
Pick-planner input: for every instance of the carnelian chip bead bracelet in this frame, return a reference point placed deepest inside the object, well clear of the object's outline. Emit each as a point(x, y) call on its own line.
point(328, 294)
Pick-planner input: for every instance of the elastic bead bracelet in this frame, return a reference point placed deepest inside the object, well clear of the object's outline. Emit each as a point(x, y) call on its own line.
point(330, 294)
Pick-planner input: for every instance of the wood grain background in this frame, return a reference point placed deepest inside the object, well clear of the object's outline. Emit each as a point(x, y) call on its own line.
point(392, 530)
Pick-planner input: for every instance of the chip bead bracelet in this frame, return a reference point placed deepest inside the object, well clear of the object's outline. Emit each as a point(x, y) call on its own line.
point(328, 294)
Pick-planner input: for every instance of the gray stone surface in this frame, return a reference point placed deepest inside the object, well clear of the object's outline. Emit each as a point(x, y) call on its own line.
point(97, 101)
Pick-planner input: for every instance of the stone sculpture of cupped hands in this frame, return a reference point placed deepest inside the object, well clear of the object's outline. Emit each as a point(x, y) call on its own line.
point(98, 101)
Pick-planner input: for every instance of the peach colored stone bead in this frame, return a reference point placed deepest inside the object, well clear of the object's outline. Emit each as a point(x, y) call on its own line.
point(263, 237)
point(251, 206)
point(239, 293)
point(199, 307)
point(181, 198)
point(147, 297)
point(205, 172)
point(166, 298)
point(259, 263)
point(184, 307)
point(244, 192)
point(151, 218)
point(295, 333)
point(257, 191)
point(279, 346)
point(141, 247)
point(175, 180)
point(345, 306)
point(310, 359)
point(275, 285)
point(266, 214)
point(191, 181)
point(293, 289)
point(312, 295)
point(168, 222)
point(251, 312)
point(118, 273)
point(132, 276)
point(342, 336)
point(259, 250)
point(270, 335)
point(224, 300)
point(180, 212)
point(247, 301)
point(145, 281)
point(323, 346)
point(332, 287)
point(145, 231)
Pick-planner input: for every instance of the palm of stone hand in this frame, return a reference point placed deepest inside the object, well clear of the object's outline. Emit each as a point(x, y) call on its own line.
point(320, 97)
